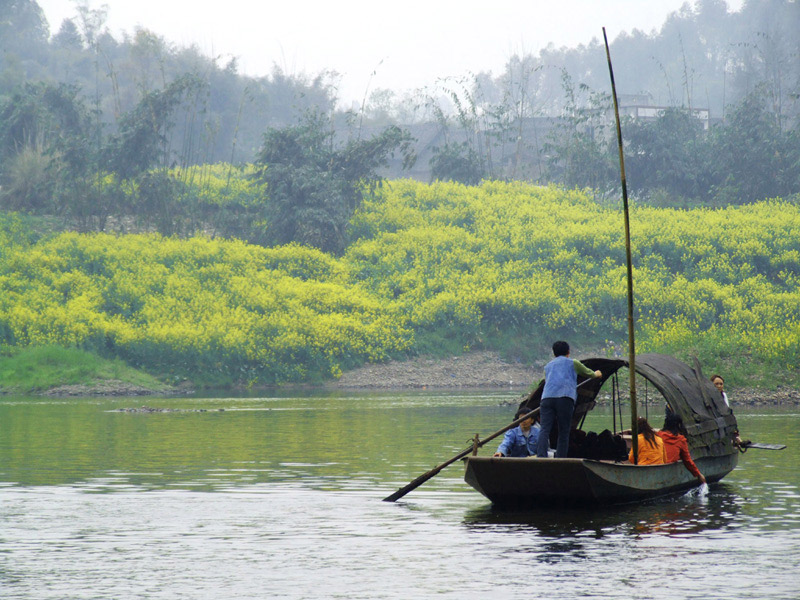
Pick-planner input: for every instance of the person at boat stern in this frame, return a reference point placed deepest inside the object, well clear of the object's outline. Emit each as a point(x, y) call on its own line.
point(559, 397)
point(675, 444)
point(651, 447)
point(719, 383)
point(522, 439)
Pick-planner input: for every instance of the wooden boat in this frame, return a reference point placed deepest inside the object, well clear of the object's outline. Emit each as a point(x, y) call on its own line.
point(710, 424)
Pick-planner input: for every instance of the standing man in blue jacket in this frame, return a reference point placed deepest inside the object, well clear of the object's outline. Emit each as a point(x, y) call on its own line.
point(558, 398)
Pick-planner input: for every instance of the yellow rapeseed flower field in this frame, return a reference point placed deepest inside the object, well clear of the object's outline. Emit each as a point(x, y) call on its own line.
point(435, 261)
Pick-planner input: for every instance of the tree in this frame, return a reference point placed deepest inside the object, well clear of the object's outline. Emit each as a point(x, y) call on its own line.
point(456, 162)
point(670, 154)
point(140, 152)
point(579, 148)
point(755, 159)
point(68, 37)
point(143, 138)
point(43, 133)
point(466, 146)
point(314, 185)
point(23, 28)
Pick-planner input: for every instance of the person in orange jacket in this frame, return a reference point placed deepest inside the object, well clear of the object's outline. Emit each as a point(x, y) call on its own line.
point(651, 447)
point(675, 444)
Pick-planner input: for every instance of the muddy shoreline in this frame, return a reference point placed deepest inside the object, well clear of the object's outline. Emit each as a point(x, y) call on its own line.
point(487, 370)
point(476, 370)
point(110, 387)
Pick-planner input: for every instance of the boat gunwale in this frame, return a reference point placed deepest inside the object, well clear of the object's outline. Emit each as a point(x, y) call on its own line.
point(584, 480)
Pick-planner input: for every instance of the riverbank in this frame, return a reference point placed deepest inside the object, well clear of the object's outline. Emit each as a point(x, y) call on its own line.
point(487, 370)
point(474, 370)
point(111, 387)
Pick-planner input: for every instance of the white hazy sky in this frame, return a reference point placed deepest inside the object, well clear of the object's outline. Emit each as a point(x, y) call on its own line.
point(407, 44)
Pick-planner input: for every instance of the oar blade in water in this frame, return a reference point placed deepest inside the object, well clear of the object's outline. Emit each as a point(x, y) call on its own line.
point(765, 446)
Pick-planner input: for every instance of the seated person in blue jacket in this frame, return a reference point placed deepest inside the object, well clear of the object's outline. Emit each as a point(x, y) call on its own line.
point(522, 439)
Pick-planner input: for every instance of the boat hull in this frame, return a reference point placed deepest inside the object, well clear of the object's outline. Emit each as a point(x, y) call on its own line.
point(579, 481)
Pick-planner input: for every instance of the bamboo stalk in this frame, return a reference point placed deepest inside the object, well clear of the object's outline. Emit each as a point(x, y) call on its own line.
point(629, 264)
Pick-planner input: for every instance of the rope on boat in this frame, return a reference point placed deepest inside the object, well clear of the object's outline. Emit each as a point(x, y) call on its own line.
point(614, 401)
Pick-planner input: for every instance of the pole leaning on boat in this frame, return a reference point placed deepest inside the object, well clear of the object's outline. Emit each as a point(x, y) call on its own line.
point(629, 264)
point(475, 445)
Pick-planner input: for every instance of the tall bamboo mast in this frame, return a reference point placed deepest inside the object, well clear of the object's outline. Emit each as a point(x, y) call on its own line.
point(631, 343)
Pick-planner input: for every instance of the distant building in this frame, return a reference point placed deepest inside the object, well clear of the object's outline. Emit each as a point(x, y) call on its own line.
point(641, 107)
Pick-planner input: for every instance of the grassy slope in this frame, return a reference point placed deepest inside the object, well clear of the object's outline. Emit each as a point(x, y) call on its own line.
point(40, 368)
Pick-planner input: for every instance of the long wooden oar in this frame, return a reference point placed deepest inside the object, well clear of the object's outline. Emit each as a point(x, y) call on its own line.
point(433, 472)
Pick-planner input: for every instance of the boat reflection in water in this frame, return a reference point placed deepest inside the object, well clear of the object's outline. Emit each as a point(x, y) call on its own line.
point(686, 514)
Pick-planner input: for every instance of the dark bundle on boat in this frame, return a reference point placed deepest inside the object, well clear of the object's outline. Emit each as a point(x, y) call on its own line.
point(602, 446)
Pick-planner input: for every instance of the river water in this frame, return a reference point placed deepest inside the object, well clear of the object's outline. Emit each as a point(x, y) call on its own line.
point(280, 497)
